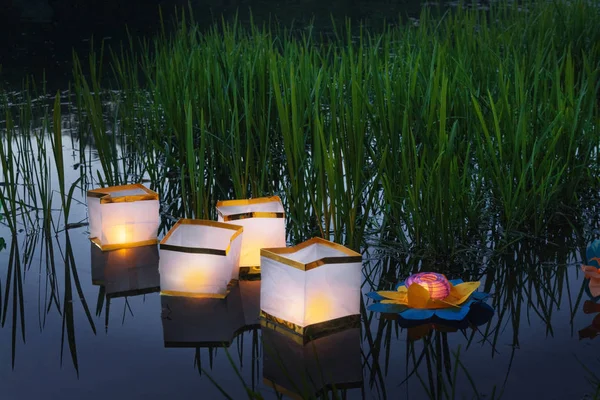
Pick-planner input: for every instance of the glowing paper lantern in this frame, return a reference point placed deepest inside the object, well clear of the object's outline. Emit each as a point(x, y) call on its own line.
point(313, 368)
point(263, 220)
point(202, 322)
point(123, 216)
point(436, 284)
point(311, 288)
point(126, 272)
point(199, 258)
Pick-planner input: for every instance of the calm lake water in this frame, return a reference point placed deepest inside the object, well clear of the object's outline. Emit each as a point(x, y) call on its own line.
point(136, 344)
point(75, 324)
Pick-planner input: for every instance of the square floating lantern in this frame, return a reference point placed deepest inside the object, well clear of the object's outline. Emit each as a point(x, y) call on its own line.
point(123, 216)
point(126, 272)
point(314, 368)
point(311, 289)
point(199, 258)
point(263, 220)
point(202, 322)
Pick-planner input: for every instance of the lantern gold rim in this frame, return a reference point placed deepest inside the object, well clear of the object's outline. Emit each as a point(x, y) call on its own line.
point(106, 197)
point(251, 214)
point(305, 334)
point(279, 254)
point(121, 246)
point(201, 250)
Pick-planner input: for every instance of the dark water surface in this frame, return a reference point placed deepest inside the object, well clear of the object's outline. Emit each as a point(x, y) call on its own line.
point(138, 345)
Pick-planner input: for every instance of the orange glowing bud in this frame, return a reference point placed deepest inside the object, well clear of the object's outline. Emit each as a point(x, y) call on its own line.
point(436, 284)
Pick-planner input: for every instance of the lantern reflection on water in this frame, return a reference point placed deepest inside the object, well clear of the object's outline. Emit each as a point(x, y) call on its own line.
point(199, 258)
point(312, 288)
point(126, 272)
point(306, 370)
point(202, 322)
point(263, 220)
point(123, 216)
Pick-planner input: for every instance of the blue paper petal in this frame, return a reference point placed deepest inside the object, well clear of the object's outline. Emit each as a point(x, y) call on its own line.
point(454, 314)
point(593, 250)
point(417, 313)
point(455, 282)
point(479, 296)
point(387, 308)
point(375, 296)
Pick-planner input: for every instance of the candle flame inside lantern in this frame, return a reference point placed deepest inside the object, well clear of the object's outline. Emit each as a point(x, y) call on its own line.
point(436, 284)
point(318, 309)
point(120, 234)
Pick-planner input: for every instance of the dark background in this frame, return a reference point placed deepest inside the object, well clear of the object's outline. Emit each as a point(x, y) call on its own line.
point(38, 36)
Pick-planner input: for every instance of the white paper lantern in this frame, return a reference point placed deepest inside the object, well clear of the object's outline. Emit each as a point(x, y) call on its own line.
point(126, 272)
point(123, 216)
point(303, 371)
point(202, 322)
point(263, 220)
point(312, 287)
point(199, 258)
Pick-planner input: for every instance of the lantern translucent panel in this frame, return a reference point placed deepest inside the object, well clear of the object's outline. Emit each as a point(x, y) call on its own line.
point(126, 272)
point(331, 360)
point(201, 322)
point(199, 258)
point(123, 216)
point(263, 222)
point(322, 293)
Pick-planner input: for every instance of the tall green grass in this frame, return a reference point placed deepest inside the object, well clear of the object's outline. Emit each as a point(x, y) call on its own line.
point(434, 135)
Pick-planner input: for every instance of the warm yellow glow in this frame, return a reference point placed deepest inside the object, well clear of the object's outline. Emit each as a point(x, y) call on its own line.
point(194, 279)
point(119, 234)
point(318, 309)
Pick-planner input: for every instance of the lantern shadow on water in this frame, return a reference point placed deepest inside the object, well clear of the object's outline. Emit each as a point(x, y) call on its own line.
point(126, 272)
point(200, 258)
point(311, 289)
point(263, 220)
point(306, 370)
point(479, 314)
point(123, 216)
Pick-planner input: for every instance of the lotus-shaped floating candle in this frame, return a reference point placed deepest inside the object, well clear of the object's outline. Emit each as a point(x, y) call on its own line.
point(426, 295)
point(591, 270)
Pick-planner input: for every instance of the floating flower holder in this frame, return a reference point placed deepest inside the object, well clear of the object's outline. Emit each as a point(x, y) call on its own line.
point(311, 289)
point(126, 272)
point(263, 220)
point(202, 322)
point(199, 258)
point(428, 295)
point(314, 368)
point(591, 270)
point(123, 216)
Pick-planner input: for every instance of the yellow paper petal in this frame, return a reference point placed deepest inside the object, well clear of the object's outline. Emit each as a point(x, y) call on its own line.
point(418, 296)
point(402, 289)
point(460, 293)
point(392, 295)
point(393, 302)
